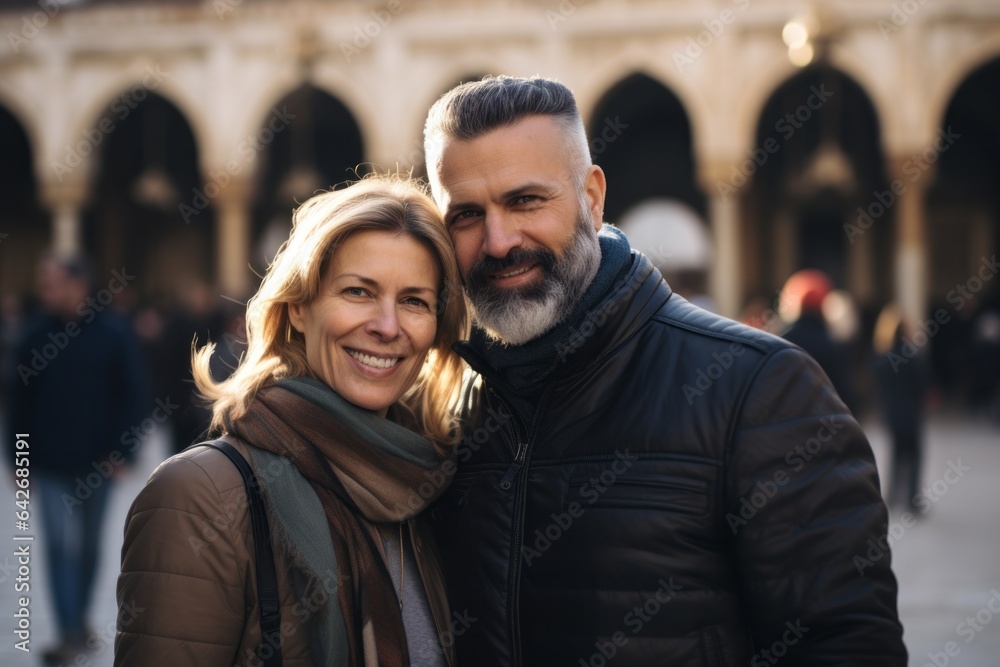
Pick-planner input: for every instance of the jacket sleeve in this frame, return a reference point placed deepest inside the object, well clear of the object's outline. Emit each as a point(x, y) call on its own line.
point(181, 592)
point(809, 525)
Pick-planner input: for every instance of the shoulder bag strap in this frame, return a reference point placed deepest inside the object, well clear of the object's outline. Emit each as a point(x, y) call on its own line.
point(269, 650)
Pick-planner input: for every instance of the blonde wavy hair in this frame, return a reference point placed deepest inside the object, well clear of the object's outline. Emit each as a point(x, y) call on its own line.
point(276, 350)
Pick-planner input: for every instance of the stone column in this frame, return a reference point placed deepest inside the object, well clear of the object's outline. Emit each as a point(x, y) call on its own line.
point(861, 266)
point(723, 217)
point(233, 242)
point(66, 202)
point(786, 244)
point(911, 255)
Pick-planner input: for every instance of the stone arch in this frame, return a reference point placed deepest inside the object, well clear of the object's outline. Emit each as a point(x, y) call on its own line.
point(814, 159)
point(28, 120)
point(347, 93)
point(642, 136)
point(117, 91)
point(963, 231)
point(957, 73)
point(432, 96)
point(323, 146)
point(145, 176)
point(24, 228)
point(767, 79)
point(887, 116)
point(637, 62)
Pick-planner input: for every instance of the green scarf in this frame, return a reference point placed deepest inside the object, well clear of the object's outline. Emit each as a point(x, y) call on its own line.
point(364, 469)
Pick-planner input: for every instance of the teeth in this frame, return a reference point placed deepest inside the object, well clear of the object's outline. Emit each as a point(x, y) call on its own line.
point(374, 362)
point(514, 273)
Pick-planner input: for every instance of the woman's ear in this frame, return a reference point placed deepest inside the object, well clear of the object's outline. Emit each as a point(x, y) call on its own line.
point(296, 316)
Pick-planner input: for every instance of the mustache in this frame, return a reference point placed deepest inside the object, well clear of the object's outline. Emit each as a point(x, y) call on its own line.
point(481, 271)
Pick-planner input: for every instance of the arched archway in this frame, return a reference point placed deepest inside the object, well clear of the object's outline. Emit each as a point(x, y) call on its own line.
point(146, 173)
point(816, 165)
point(24, 226)
point(963, 228)
point(308, 143)
point(641, 136)
point(417, 159)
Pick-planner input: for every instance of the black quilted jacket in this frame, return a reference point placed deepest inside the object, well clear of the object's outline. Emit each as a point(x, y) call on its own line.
point(686, 492)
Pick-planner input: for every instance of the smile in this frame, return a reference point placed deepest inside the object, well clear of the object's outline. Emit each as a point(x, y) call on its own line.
point(514, 273)
point(374, 362)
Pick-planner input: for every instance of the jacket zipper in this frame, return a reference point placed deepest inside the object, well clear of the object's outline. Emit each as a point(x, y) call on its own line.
point(522, 446)
point(520, 461)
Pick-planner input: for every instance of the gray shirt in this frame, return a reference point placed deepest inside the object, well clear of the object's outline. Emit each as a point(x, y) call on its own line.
point(421, 635)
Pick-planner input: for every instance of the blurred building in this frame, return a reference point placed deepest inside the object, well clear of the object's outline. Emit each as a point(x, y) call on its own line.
point(173, 138)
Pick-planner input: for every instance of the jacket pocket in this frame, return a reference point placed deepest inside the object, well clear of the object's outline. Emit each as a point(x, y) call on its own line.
point(646, 485)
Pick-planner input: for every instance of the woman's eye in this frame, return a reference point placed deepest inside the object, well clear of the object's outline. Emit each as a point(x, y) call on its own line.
point(416, 302)
point(355, 291)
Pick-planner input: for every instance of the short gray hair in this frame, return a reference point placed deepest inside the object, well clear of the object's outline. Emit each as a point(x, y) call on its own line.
point(473, 109)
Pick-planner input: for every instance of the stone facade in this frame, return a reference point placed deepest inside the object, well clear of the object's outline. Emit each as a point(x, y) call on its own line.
point(224, 64)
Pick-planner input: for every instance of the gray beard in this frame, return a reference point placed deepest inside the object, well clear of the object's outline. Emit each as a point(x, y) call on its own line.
point(518, 316)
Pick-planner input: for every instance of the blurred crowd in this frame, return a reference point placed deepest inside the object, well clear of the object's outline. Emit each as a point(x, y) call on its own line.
point(957, 362)
point(83, 366)
point(957, 351)
point(165, 329)
point(899, 372)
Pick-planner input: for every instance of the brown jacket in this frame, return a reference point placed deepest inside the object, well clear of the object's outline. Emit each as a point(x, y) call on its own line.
point(187, 593)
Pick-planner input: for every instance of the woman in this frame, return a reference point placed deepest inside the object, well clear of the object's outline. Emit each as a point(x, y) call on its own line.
point(902, 379)
point(353, 323)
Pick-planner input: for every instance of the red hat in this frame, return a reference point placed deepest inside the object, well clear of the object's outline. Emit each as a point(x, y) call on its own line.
point(807, 289)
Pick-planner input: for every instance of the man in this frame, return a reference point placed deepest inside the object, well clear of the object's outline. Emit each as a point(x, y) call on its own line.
point(75, 385)
point(640, 482)
point(804, 293)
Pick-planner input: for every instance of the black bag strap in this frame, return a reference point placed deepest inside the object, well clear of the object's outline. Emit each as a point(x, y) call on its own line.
point(269, 650)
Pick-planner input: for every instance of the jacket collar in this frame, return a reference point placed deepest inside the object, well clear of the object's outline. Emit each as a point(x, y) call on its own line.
point(627, 306)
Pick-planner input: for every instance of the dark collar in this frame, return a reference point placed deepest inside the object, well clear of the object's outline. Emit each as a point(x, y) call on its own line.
point(633, 298)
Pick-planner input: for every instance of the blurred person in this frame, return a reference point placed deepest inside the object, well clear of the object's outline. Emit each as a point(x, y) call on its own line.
point(233, 346)
point(984, 375)
point(149, 324)
point(802, 304)
point(77, 385)
point(349, 336)
point(840, 312)
point(197, 319)
point(618, 440)
point(759, 314)
point(11, 316)
point(902, 377)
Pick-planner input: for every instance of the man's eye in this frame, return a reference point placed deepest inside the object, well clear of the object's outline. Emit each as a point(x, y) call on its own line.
point(464, 217)
point(526, 199)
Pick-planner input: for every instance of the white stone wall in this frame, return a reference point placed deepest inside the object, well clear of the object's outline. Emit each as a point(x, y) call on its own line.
point(226, 63)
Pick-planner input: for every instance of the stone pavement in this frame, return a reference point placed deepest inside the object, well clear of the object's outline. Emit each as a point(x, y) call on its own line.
point(947, 562)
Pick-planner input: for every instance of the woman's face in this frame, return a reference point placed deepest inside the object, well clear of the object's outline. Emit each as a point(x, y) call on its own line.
point(368, 330)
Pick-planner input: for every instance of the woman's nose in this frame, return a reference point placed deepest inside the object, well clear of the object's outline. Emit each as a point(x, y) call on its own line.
point(384, 322)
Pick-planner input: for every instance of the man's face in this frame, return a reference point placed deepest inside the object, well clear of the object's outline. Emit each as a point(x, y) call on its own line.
point(524, 233)
point(56, 289)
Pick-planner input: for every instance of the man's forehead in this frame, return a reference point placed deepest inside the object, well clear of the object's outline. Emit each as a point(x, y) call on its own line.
point(502, 160)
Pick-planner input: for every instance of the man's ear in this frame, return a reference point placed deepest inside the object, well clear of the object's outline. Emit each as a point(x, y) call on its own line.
point(595, 186)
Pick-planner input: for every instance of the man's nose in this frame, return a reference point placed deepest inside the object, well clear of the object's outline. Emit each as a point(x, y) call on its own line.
point(502, 235)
